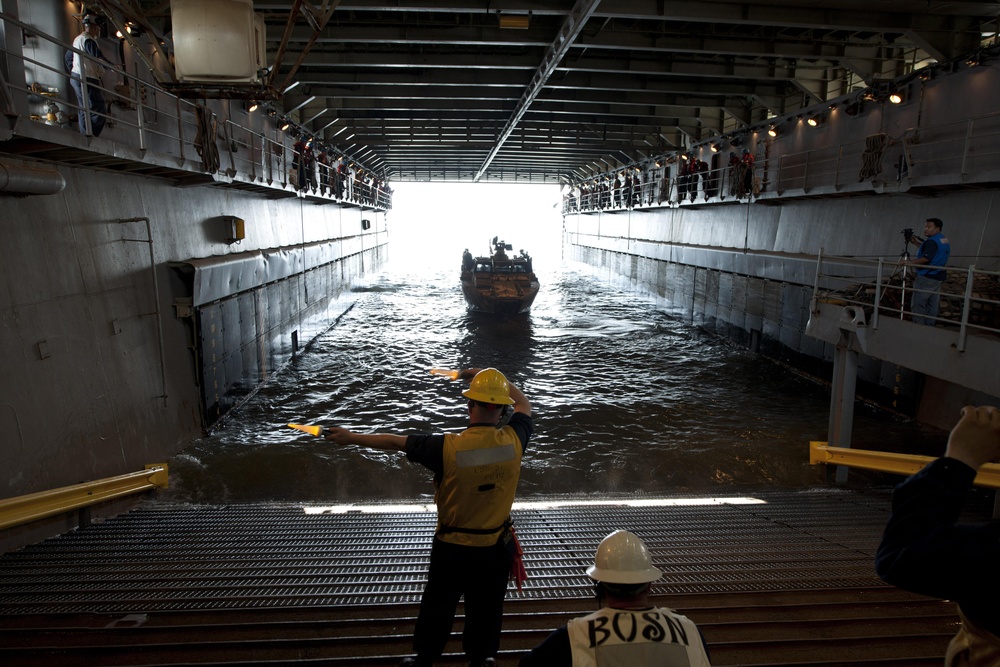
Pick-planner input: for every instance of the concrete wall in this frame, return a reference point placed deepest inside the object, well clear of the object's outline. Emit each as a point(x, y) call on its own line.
point(83, 392)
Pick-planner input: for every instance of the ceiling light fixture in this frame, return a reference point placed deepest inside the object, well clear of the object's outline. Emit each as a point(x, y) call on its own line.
point(772, 131)
point(895, 97)
point(514, 21)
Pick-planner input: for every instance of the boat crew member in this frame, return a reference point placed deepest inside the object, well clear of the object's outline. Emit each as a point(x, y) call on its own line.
point(475, 478)
point(628, 630)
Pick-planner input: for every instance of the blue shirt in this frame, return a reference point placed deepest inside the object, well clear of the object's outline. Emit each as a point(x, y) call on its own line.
point(936, 250)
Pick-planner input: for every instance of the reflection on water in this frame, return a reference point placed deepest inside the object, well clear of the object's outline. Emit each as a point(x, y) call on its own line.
point(627, 401)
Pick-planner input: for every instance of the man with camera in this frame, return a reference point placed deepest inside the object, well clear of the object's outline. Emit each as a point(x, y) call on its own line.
point(933, 252)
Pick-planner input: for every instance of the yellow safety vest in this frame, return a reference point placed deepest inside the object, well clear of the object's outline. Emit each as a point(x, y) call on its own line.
point(626, 638)
point(481, 467)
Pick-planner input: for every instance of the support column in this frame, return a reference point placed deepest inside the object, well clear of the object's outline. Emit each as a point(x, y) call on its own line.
point(845, 377)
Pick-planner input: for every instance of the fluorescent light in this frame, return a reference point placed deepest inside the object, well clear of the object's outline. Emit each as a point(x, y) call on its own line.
point(514, 21)
point(421, 508)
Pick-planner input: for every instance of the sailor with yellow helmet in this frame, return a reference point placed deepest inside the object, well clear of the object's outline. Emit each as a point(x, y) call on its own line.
point(475, 477)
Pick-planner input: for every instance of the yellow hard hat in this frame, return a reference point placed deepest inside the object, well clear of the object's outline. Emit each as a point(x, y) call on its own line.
point(489, 386)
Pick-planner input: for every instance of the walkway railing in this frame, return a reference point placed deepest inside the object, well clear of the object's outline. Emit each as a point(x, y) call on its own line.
point(963, 151)
point(150, 118)
point(969, 297)
point(32, 507)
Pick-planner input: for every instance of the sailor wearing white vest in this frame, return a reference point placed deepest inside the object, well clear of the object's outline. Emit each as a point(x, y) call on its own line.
point(627, 631)
point(89, 70)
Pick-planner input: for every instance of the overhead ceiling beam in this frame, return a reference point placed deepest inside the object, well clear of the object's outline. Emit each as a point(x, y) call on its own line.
point(569, 31)
point(317, 18)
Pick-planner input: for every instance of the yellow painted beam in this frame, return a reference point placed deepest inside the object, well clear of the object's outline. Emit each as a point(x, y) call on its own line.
point(34, 506)
point(901, 464)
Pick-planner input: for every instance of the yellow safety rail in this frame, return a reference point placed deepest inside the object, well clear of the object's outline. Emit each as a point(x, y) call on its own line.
point(25, 509)
point(902, 464)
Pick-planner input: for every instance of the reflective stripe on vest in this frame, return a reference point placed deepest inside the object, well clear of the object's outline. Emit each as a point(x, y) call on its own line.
point(626, 638)
point(481, 457)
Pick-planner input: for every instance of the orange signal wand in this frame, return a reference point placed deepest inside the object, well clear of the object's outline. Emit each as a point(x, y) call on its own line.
point(306, 428)
point(451, 375)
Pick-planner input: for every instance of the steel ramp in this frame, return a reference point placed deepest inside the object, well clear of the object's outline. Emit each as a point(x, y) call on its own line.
point(786, 581)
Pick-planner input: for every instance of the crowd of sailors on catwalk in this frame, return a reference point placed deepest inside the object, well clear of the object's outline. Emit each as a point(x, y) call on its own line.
point(318, 169)
point(666, 180)
point(311, 167)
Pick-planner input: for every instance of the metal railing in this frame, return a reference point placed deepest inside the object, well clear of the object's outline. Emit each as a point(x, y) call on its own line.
point(143, 115)
point(35, 506)
point(988, 475)
point(969, 297)
point(935, 154)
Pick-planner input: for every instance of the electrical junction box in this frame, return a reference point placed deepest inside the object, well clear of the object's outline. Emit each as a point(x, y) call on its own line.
point(235, 229)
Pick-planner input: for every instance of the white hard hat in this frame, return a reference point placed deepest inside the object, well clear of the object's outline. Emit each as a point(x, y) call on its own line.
point(622, 558)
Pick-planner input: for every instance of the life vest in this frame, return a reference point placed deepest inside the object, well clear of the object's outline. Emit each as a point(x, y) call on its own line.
point(625, 638)
point(481, 467)
point(940, 258)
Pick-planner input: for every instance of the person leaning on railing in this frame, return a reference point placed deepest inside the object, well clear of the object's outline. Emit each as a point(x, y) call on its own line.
point(91, 69)
point(925, 550)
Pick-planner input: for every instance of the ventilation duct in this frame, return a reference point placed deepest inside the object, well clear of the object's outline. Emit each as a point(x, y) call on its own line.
point(23, 180)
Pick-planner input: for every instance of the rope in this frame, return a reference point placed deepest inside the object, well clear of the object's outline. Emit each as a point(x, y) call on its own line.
point(205, 139)
point(871, 159)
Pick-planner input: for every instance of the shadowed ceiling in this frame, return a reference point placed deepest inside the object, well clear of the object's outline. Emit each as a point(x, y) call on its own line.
point(548, 91)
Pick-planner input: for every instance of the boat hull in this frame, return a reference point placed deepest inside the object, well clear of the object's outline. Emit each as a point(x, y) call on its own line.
point(499, 294)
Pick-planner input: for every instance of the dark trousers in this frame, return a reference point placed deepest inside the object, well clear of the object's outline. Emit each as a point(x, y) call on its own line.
point(94, 101)
point(479, 573)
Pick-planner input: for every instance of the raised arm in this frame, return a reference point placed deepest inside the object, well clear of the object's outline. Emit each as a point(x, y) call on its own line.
point(975, 440)
point(521, 403)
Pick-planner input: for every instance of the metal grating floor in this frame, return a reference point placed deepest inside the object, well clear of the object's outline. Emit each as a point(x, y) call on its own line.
point(190, 557)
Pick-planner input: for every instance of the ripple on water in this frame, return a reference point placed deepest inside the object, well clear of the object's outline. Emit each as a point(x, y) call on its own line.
point(626, 399)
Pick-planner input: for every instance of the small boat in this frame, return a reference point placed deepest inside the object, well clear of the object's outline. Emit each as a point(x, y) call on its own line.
point(499, 283)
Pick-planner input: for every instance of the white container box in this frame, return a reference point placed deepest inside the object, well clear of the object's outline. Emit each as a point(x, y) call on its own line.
point(220, 41)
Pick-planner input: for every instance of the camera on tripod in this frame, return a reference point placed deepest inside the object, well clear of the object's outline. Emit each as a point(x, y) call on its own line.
point(907, 234)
